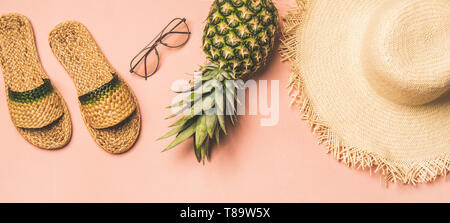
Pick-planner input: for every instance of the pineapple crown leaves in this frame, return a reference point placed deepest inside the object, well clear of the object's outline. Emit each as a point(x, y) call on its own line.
point(209, 96)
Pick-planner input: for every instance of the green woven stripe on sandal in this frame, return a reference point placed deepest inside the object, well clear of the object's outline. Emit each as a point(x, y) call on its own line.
point(33, 95)
point(101, 92)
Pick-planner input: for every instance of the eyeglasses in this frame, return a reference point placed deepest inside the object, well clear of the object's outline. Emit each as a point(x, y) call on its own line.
point(174, 35)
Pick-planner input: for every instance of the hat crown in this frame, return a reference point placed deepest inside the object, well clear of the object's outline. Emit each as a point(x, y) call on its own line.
point(406, 53)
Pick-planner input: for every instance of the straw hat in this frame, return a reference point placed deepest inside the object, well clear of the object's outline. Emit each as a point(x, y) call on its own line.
point(372, 78)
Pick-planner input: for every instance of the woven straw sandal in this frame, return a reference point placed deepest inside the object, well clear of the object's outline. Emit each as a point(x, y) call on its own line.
point(35, 106)
point(109, 107)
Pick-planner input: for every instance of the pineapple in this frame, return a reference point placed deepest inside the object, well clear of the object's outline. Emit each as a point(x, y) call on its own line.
point(238, 39)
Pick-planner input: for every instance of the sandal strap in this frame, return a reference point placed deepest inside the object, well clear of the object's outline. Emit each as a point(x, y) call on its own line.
point(109, 104)
point(35, 108)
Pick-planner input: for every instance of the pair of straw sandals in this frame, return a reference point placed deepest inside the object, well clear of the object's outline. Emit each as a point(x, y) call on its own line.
point(108, 106)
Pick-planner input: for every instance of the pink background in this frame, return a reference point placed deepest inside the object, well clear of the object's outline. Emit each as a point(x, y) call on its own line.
point(282, 163)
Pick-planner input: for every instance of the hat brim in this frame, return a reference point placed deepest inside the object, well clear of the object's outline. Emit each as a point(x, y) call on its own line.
point(324, 40)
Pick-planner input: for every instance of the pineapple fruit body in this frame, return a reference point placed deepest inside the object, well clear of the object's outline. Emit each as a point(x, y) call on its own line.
point(239, 35)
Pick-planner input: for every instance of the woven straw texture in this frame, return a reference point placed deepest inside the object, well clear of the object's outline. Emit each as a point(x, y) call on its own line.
point(352, 102)
point(36, 108)
point(108, 106)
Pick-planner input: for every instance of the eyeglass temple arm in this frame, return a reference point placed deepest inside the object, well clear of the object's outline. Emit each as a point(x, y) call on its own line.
point(166, 34)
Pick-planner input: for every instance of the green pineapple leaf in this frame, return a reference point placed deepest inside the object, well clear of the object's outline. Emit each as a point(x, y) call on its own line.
point(176, 104)
point(197, 152)
point(211, 122)
point(217, 136)
point(171, 133)
point(204, 151)
point(181, 120)
point(185, 134)
point(221, 119)
point(200, 132)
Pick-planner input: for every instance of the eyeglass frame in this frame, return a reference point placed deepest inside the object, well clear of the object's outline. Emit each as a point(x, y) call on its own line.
point(154, 43)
